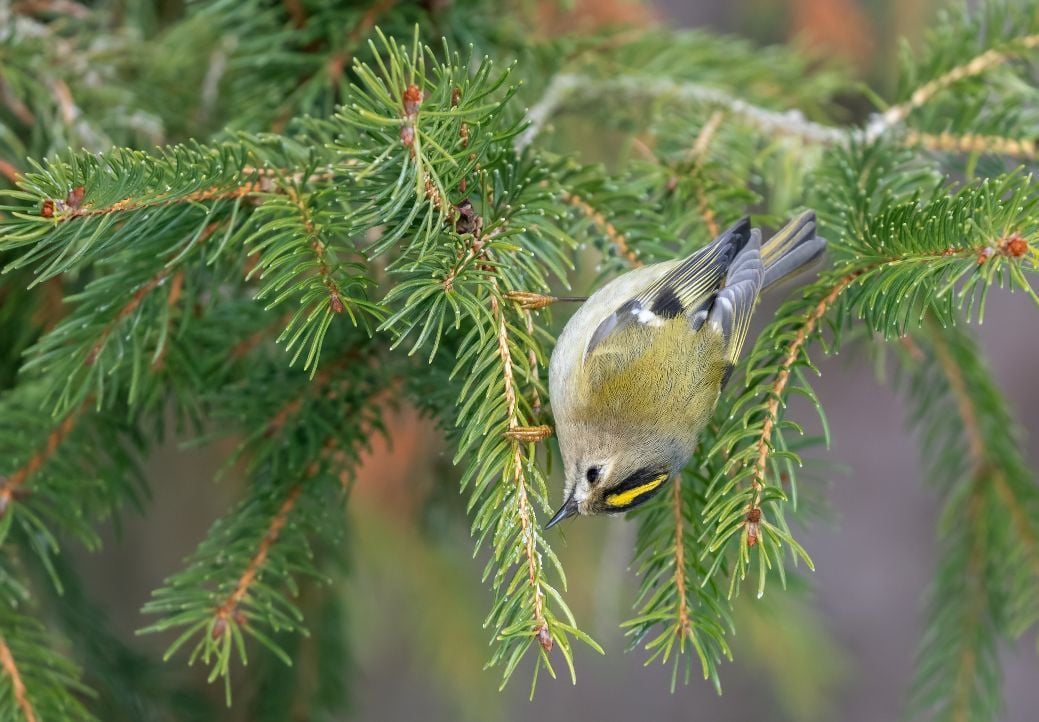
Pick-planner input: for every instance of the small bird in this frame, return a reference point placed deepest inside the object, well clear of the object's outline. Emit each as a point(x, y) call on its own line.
point(637, 371)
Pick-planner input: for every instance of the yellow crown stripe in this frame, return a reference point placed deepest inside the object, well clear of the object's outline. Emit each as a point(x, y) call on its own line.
point(627, 497)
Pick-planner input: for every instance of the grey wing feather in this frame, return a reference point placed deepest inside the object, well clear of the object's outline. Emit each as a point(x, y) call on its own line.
point(697, 278)
point(688, 288)
point(792, 247)
point(730, 312)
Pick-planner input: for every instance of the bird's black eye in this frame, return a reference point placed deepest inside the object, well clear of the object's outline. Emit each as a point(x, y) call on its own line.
point(593, 474)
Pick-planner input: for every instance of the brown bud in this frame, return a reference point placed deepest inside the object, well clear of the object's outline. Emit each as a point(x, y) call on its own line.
point(456, 95)
point(530, 301)
point(47, 209)
point(336, 303)
point(75, 197)
point(753, 519)
point(544, 638)
point(219, 627)
point(529, 434)
point(412, 100)
point(1015, 246)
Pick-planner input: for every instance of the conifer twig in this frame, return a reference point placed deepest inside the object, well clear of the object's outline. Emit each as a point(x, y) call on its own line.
point(523, 508)
point(965, 677)
point(791, 122)
point(364, 25)
point(975, 564)
point(977, 65)
point(141, 293)
point(1023, 148)
point(699, 152)
point(684, 624)
point(213, 193)
point(764, 442)
point(335, 296)
point(10, 486)
point(609, 230)
point(9, 667)
point(227, 609)
point(8, 171)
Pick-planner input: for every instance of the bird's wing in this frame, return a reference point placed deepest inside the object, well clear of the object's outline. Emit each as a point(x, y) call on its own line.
point(690, 289)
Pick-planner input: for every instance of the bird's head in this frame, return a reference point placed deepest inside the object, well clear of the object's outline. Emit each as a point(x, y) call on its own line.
point(610, 473)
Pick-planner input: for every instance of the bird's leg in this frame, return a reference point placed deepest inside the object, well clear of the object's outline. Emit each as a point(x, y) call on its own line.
point(529, 434)
point(533, 301)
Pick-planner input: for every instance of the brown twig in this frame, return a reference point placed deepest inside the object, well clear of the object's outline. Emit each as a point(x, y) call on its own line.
point(612, 234)
point(779, 386)
point(213, 193)
point(338, 62)
point(685, 628)
point(176, 288)
point(243, 347)
point(229, 606)
point(66, 103)
point(7, 663)
point(14, 104)
point(975, 562)
point(138, 297)
point(978, 449)
point(297, 13)
point(526, 516)
point(8, 171)
point(975, 66)
point(968, 631)
point(10, 487)
point(698, 153)
point(335, 296)
point(964, 405)
point(1022, 148)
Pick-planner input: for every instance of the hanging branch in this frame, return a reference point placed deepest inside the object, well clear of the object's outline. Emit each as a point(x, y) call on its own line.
point(7, 663)
point(985, 588)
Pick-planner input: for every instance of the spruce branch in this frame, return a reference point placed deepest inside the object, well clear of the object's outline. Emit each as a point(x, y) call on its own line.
point(608, 229)
point(10, 488)
point(804, 331)
point(257, 554)
point(227, 609)
point(1007, 35)
point(17, 685)
point(985, 588)
point(698, 153)
point(978, 65)
point(37, 684)
point(972, 143)
point(62, 474)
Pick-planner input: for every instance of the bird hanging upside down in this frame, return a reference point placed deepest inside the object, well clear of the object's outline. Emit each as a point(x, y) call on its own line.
point(636, 372)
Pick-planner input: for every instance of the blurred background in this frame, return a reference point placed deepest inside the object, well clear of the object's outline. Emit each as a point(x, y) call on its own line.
point(414, 608)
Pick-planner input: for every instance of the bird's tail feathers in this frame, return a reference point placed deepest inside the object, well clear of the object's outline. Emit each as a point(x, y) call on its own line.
point(793, 247)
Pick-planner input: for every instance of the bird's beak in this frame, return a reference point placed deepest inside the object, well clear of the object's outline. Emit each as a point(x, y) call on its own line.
point(567, 510)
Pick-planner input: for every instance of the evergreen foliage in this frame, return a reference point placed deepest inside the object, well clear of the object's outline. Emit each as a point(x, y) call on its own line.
point(336, 221)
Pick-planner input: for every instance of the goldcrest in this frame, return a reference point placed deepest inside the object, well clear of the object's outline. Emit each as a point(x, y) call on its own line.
point(637, 370)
